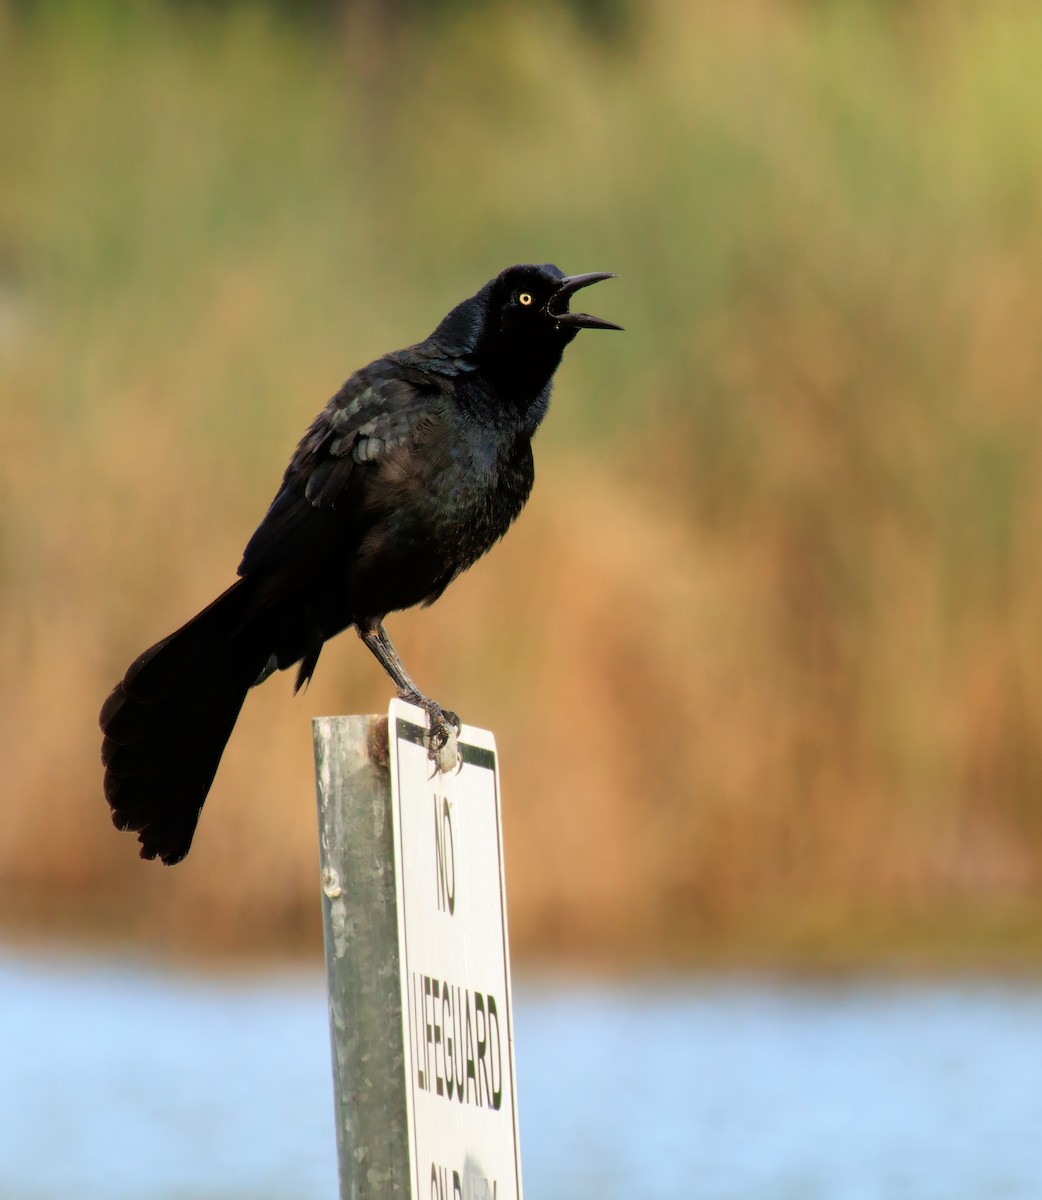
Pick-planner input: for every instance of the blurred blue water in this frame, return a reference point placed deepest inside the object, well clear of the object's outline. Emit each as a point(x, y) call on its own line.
point(119, 1080)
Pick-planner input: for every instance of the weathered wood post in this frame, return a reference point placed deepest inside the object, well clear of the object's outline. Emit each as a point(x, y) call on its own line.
point(420, 1007)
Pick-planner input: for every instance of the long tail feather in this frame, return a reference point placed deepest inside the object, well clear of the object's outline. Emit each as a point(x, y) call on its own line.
point(166, 723)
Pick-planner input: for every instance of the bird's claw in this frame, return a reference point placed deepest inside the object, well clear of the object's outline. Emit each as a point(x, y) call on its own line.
point(442, 742)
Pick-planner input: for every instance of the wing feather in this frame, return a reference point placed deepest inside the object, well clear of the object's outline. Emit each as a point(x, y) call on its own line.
point(371, 416)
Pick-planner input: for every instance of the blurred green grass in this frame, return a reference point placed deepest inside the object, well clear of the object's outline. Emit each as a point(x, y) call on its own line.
point(763, 655)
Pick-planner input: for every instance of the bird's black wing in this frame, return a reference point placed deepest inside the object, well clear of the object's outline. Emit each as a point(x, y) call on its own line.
point(378, 409)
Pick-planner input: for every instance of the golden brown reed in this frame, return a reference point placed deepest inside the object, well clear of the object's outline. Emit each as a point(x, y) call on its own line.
point(763, 654)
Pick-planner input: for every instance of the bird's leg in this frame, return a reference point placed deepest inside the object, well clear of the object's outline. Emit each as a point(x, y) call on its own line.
point(445, 725)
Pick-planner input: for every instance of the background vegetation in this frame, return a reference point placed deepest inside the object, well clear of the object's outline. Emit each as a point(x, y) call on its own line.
point(763, 655)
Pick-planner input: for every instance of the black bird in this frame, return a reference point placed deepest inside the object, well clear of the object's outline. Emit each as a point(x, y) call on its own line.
point(413, 470)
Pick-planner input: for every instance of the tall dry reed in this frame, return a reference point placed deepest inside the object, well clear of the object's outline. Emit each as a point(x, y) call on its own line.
point(762, 656)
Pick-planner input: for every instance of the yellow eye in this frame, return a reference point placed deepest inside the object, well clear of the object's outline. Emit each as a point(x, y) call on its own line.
point(525, 298)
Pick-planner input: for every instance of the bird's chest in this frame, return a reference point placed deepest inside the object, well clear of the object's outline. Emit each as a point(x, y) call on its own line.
point(478, 487)
point(436, 509)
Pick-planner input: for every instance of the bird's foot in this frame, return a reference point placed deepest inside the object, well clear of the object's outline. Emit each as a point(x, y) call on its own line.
point(445, 728)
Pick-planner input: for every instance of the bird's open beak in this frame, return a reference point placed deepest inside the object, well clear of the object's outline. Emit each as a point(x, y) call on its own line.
point(557, 305)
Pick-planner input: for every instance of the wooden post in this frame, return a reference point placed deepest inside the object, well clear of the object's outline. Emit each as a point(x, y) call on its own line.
point(361, 935)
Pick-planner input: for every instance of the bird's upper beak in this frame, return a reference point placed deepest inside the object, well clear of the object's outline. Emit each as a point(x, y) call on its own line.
point(557, 305)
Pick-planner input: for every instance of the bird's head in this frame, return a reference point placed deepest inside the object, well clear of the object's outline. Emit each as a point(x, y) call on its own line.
point(532, 302)
point(514, 331)
point(520, 321)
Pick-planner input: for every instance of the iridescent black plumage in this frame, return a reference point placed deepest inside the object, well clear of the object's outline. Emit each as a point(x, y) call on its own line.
point(413, 470)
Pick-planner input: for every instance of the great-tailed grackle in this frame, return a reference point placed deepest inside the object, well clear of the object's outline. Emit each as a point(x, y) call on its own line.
point(413, 470)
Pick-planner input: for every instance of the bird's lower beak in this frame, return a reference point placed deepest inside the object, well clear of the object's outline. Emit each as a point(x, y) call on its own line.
point(557, 305)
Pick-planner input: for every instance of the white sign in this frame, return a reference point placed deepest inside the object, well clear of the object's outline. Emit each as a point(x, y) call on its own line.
point(456, 1006)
